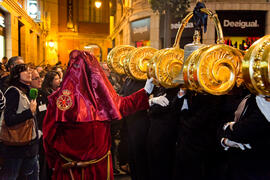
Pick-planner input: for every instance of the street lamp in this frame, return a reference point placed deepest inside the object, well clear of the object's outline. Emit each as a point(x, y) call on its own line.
point(51, 44)
point(98, 4)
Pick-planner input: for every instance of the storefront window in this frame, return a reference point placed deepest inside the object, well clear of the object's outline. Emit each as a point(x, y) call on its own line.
point(242, 28)
point(140, 32)
point(142, 43)
point(242, 43)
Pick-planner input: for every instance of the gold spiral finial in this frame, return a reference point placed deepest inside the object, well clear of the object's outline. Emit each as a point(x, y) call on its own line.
point(135, 63)
point(213, 69)
point(256, 66)
point(116, 57)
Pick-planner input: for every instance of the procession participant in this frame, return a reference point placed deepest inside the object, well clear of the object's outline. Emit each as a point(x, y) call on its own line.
point(136, 126)
point(77, 124)
point(197, 145)
point(247, 138)
point(164, 111)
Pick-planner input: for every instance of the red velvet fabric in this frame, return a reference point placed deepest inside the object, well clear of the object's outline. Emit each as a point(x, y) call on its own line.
point(82, 132)
point(92, 95)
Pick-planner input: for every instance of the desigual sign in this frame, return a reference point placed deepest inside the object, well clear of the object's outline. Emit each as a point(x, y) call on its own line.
point(242, 23)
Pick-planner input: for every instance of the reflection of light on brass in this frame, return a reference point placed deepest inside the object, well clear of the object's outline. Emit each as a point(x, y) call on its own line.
point(166, 65)
point(135, 64)
point(212, 69)
point(116, 57)
point(255, 67)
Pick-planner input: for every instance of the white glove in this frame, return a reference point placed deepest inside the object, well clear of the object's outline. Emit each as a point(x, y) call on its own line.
point(160, 100)
point(2, 101)
point(149, 86)
point(226, 143)
point(228, 124)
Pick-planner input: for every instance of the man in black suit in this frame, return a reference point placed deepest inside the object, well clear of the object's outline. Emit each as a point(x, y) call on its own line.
point(247, 139)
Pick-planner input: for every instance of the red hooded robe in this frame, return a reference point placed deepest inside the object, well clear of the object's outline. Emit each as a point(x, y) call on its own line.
point(77, 123)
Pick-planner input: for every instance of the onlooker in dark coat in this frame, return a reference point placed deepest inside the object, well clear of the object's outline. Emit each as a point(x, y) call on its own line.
point(18, 109)
point(12, 62)
point(51, 83)
point(44, 173)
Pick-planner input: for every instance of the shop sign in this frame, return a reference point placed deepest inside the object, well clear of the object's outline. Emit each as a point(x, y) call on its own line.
point(140, 29)
point(33, 10)
point(242, 23)
point(175, 24)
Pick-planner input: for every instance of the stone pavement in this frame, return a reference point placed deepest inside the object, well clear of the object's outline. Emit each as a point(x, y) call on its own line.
point(122, 177)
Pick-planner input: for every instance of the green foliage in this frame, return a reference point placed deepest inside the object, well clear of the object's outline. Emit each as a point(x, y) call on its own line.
point(176, 7)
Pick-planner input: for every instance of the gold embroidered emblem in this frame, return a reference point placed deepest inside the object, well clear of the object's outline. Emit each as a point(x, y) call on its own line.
point(64, 102)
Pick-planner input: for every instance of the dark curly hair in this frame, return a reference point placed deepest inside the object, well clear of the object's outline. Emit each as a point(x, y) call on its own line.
point(12, 62)
point(14, 77)
point(47, 83)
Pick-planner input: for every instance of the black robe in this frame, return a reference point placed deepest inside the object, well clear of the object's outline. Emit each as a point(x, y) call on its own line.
point(137, 126)
point(197, 150)
point(254, 129)
point(163, 134)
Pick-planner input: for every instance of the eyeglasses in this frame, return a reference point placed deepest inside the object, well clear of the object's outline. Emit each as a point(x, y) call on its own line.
point(35, 79)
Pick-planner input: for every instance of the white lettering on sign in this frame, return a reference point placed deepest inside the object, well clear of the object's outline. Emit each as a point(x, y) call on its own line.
point(241, 24)
point(177, 25)
point(2, 21)
point(140, 30)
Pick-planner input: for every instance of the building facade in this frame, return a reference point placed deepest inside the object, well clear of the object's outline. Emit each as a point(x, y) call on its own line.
point(136, 24)
point(243, 21)
point(59, 27)
point(21, 30)
point(77, 24)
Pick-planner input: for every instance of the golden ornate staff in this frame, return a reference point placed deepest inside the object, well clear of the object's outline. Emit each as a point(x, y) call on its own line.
point(214, 68)
point(256, 66)
point(135, 64)
point(116, 57)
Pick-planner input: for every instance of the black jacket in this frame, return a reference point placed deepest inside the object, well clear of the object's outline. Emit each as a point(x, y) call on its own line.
point(12, 118)
point(163, 134)
point(197, 150)
point(254, 129)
